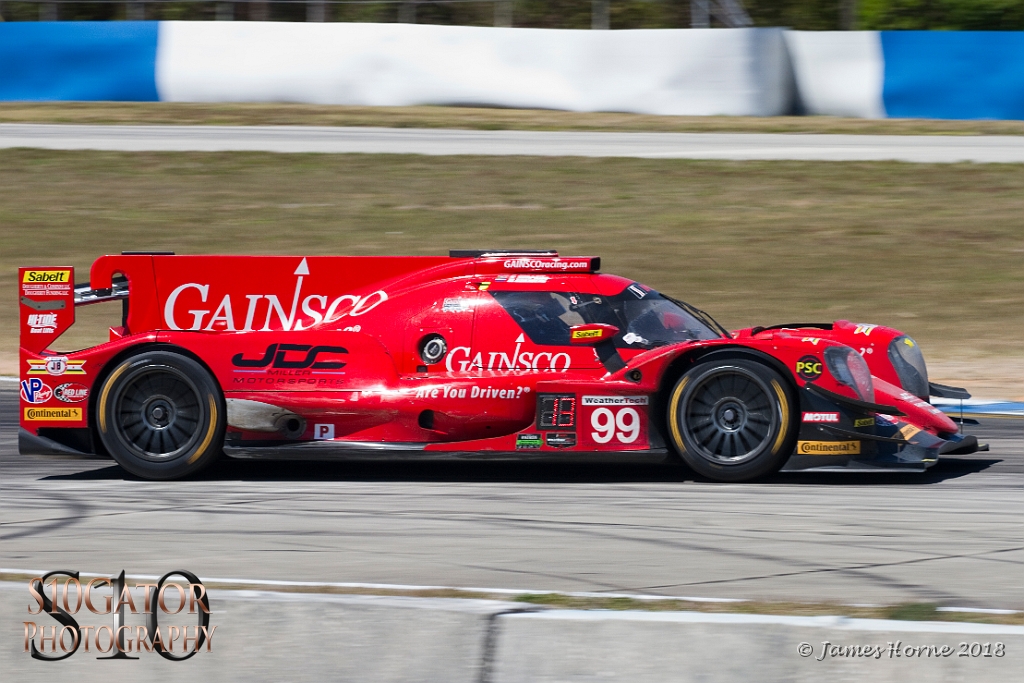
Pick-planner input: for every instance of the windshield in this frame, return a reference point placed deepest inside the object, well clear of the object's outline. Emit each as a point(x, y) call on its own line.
point(645, 318)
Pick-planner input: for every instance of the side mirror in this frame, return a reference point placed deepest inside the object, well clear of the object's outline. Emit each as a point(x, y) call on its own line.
point(591, 335)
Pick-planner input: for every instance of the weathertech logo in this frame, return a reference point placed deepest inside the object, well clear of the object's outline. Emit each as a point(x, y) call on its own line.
point(53, 414)
point(821, 417)
point(616, 400)
point(828, 447)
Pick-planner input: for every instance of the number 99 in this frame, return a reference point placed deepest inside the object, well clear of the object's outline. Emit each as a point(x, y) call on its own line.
point(604, 422)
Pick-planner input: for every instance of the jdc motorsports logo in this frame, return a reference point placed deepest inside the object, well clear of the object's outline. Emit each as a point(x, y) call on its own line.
point(62, 601)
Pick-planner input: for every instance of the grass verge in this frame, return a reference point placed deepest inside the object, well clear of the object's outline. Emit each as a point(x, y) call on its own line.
point(934, 250)
point(914, 611)
point(258, 114)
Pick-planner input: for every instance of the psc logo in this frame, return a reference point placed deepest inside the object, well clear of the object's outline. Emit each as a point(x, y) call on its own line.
point(809, 368)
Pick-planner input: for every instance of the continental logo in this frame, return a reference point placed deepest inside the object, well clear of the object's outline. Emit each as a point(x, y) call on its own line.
point(828, 447)
point(53, 414)
point(909, 431)
point(586, 334)
point(62, 276)
point(864, 422)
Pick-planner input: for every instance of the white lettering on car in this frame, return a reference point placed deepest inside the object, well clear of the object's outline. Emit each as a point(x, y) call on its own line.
point(314, 308)
point(499, 360)
point(204, 290)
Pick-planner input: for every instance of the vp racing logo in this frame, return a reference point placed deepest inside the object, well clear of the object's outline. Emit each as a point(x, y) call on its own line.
point(34, 390)
point(304, 312)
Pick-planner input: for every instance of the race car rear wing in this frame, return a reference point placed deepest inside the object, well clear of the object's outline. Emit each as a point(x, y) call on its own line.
point(85, 295)
point(46, 300)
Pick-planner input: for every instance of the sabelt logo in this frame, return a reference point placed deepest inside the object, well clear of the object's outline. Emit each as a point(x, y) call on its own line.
point(305, 311)
point(821, 417)
point(53, 414)
point(586, 334)
point(828, 447)
point(40, 276)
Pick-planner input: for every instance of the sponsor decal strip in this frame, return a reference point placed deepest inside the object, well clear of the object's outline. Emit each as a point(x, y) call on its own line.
point(546, 264)
point(53, 414)
point(828, 447)
point(616, 400)
point(821, 417)
point(56, 276)
point(56, 366)
point(499, 360)
point(303, 313)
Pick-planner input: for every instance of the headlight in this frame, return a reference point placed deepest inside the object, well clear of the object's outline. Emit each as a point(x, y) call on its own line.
point(849, 368)
point(905, 356)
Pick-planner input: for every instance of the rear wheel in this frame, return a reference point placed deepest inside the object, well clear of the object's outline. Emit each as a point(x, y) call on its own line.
point(732, 420)
point(160, 415)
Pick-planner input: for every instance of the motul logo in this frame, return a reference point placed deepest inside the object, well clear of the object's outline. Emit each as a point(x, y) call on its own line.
point(821, 417)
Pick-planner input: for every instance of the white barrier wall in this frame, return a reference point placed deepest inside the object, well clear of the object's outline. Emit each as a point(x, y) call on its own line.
point(315, 638)
point(839, 73)
point(684, 72)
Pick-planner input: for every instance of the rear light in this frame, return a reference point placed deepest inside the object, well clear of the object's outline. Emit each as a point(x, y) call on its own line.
point(849, 369)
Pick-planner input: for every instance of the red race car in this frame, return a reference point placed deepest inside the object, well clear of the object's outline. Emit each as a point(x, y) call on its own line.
point(475, 355)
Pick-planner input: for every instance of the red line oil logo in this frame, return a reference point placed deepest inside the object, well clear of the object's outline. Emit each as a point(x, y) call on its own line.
point(71, 392)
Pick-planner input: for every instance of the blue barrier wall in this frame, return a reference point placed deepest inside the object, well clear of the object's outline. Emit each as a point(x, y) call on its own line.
point(926, 74)
point(113, 60)
point(954, 74)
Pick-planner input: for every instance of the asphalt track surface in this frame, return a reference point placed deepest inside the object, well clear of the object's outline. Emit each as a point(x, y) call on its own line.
point(729, 146)
point(954, 535)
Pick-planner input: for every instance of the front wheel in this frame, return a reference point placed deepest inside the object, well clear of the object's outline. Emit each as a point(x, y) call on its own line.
point(160, 416)
point(732, 420)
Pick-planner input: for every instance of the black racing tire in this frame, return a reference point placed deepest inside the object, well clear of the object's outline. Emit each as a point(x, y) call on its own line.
point(732, 419)
point(160, 414)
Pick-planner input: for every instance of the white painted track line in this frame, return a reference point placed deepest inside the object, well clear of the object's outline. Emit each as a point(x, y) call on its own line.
point(723, 146)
